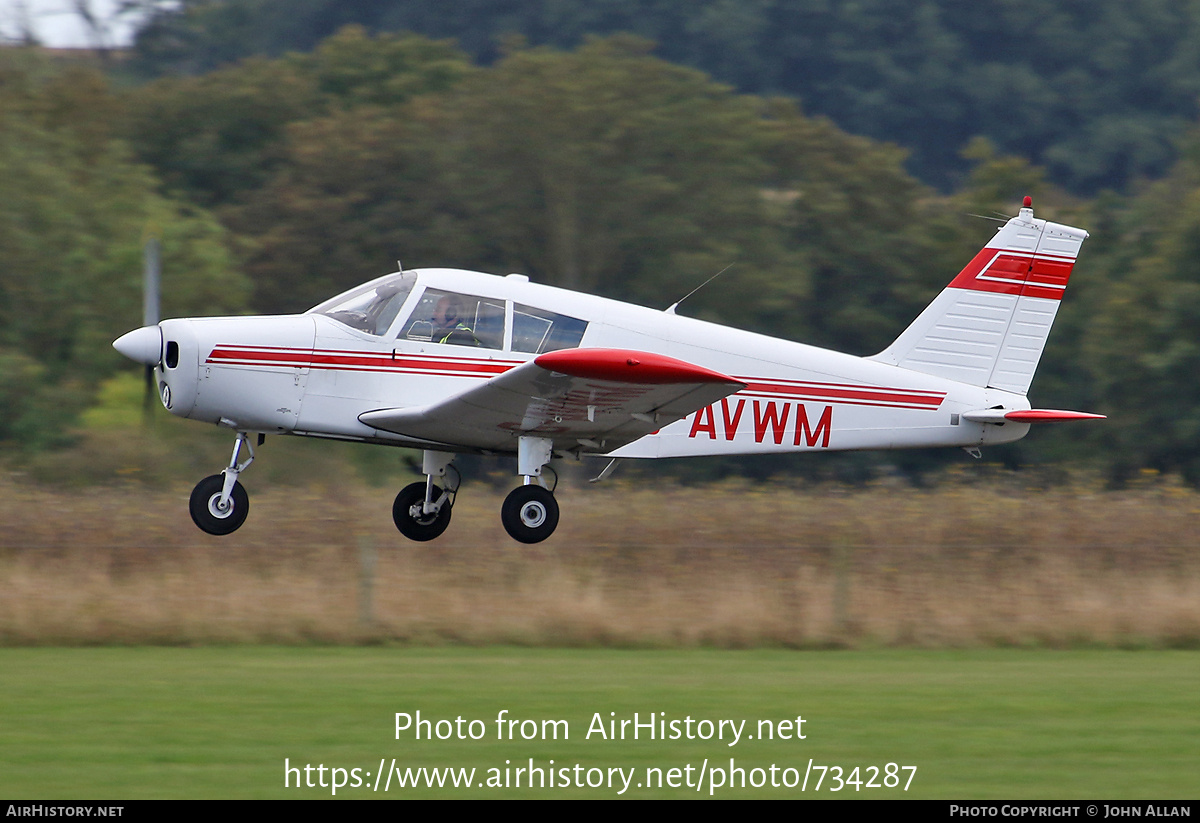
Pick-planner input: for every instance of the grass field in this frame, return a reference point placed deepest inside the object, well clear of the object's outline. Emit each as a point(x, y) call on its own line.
point(980, 560)
point(1008, 637)
point(218, 722)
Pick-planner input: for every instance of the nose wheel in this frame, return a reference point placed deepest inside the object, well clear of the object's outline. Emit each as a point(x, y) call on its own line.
point(529, 514)
point(212, 514)
point(219, 503)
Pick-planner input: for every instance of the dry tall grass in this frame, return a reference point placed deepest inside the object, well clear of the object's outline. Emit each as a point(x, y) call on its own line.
point(729, 565)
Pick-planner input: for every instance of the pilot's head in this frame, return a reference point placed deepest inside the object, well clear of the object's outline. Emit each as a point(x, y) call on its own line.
point(446, 313)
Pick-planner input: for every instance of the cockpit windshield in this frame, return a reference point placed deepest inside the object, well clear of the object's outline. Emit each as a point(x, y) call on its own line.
point(373, 307)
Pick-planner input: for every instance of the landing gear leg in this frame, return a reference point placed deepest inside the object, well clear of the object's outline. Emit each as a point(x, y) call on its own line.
point(219, 504)
point(422, 510)
point(530, 512)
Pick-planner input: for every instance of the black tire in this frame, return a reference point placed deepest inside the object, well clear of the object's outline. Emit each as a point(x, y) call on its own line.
point(529, 514)
point(419, 527)
point(206, 514)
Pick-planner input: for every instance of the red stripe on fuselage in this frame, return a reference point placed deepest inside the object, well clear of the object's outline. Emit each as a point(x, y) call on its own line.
point(847, 393)
point(428, 365)
point(356, 361)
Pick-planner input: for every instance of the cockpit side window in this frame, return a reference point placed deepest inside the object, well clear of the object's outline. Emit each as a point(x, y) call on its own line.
point(538, 331)
point(457, 320)
point(372, 308)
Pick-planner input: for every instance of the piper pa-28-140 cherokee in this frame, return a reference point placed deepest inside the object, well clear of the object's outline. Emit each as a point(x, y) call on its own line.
point(451, 361)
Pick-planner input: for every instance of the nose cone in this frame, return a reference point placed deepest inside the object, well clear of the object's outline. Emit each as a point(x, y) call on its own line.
point(142, 345)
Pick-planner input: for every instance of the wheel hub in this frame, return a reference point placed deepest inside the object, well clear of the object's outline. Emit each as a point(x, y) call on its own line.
point(533, 514)
point(217, 510)
point(417, 513)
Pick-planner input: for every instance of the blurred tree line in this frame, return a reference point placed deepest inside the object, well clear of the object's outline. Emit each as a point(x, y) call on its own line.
point(75, 207)
point(1095, 91)
point(275, 182)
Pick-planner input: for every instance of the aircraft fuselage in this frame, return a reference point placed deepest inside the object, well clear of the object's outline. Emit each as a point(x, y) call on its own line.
point(312, 375)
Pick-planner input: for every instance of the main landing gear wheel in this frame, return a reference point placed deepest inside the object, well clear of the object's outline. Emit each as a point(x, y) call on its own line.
point(411, 520)
point(205, 506)
point(529, 514)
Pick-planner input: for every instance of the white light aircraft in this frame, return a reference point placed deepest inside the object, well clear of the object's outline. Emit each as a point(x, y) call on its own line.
point(451, 361)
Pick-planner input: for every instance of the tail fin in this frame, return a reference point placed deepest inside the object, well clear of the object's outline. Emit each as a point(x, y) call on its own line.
point(989, 326)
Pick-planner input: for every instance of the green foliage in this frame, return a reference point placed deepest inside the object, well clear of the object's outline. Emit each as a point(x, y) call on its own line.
point(859, 224)
point(355, 69)
point(74, 212)
point(605, 170)
point(596, 168)
point(117, 405)
point(33, 411)
point(212, 137)
point(358, 191)
point(1096, 92)
point(1144, 347)
point(216, 137)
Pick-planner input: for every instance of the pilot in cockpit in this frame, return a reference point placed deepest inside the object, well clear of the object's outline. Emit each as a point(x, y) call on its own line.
point(448, 323)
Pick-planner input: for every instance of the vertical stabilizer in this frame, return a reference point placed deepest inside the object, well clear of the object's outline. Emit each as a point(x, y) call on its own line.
point(989, 326)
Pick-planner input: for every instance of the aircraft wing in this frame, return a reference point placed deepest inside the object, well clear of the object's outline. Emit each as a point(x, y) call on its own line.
point(591, 400)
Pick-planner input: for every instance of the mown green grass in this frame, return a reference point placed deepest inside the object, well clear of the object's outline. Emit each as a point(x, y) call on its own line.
point(218, 722)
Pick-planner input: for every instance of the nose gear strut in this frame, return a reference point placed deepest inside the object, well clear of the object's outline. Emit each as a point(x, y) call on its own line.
point(219, 503)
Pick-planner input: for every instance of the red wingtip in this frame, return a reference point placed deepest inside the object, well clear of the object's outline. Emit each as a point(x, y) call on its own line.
point(625, 366)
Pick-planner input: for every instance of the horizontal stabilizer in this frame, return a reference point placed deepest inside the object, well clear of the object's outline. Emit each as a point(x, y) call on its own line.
point(1028, 416)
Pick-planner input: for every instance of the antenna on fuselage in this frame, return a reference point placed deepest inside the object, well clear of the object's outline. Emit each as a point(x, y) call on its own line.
point(671, 308)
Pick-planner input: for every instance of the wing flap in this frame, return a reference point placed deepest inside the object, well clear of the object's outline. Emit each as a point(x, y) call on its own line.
point(592, 400)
